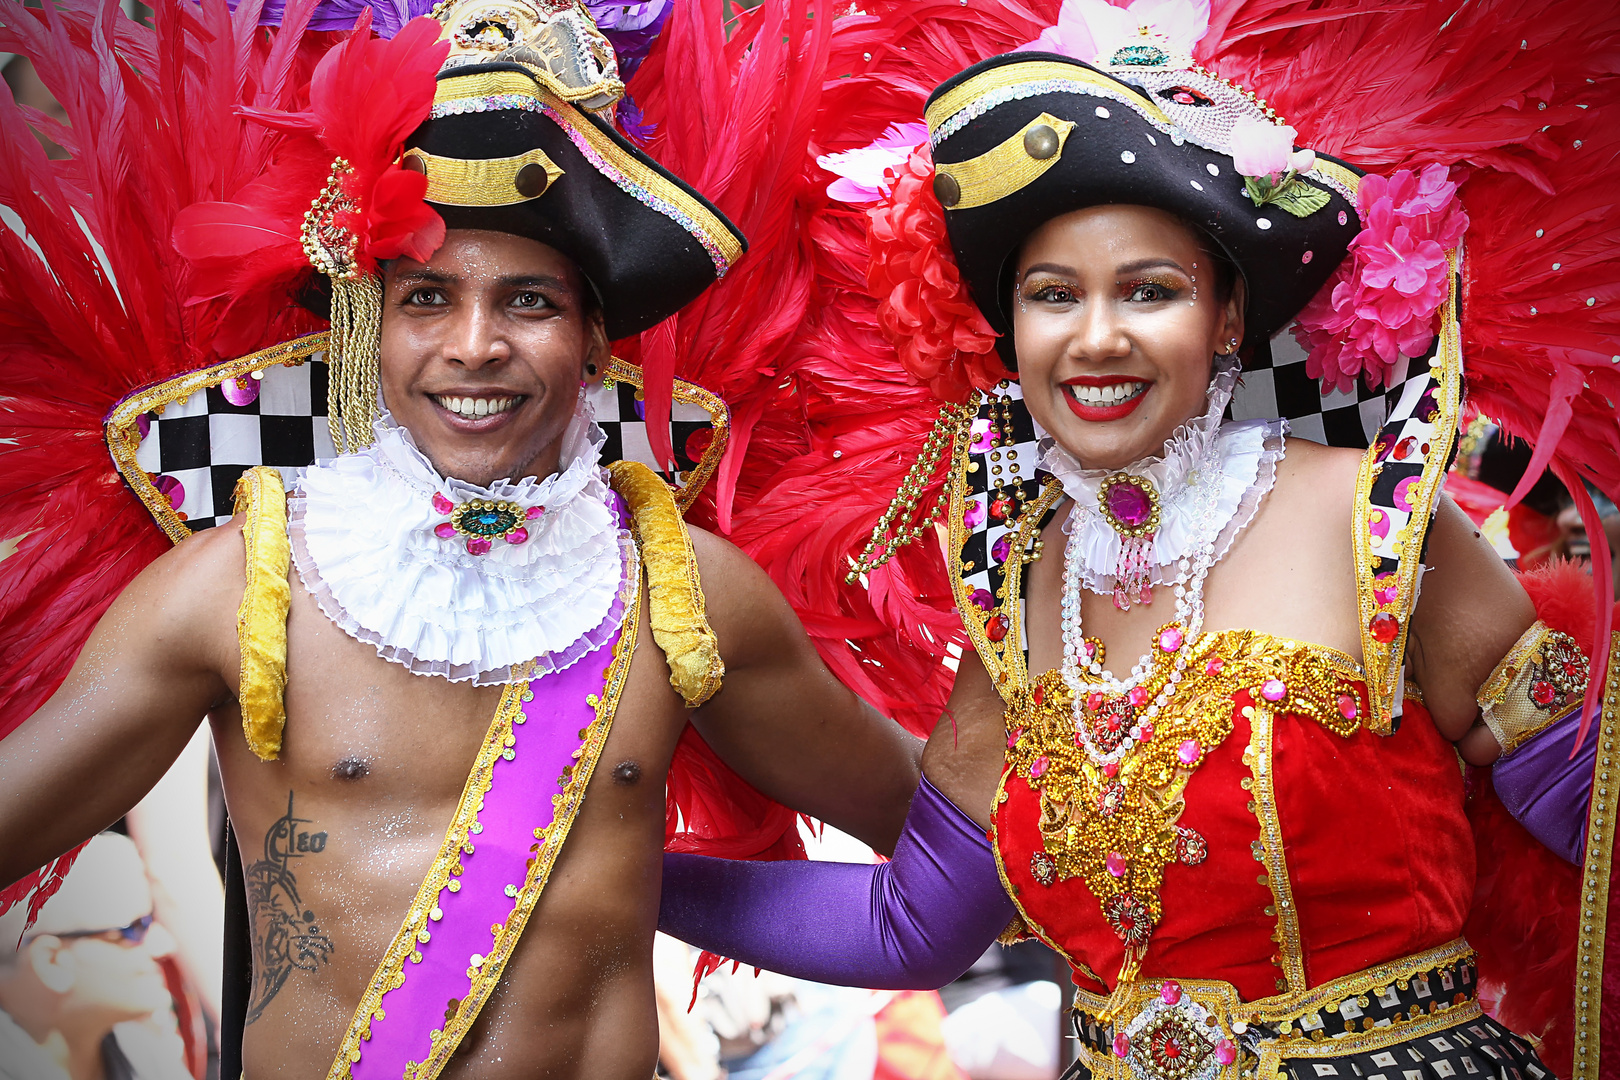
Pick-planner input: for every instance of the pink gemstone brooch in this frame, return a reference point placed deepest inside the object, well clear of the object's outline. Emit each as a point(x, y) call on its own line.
point(484, 521)
point(1131, 506)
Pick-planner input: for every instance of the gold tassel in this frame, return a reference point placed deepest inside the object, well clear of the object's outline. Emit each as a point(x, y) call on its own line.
point(882, 547)
point(352, 361)
point(1123, 984)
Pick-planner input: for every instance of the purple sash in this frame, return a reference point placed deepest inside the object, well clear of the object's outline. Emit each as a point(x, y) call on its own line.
point(522, 795)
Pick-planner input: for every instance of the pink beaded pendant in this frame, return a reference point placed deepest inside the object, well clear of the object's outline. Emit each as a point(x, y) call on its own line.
point(1131, 506)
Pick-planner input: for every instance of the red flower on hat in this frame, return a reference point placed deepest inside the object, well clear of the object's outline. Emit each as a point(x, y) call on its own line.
point(939, 334)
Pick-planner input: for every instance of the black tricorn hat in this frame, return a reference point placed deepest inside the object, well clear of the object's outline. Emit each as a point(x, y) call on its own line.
point(1025, 137)
point(503, 152)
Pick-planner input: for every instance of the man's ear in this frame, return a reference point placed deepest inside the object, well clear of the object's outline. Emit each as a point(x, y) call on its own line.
point(598, 350)
point(53, 962)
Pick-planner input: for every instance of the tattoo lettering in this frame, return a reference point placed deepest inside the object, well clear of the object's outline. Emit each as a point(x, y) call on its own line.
point(286, 936)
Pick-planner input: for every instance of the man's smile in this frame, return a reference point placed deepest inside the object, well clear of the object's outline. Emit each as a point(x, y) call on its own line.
point(477, 412)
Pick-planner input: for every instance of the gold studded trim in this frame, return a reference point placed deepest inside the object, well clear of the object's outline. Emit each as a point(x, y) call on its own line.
point(481, 181)
point(693, 483)
point(1384, 661)
point(484, 84)
point(1007, 76)
point(446, 865)
point(1004, 659)
point(1006, 168)
point(1596, 880)
point(124, 435)
point(1268, 850)
point(565, 808)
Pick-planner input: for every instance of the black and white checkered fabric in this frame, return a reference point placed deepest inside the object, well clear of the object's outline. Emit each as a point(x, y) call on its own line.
point(199, 446)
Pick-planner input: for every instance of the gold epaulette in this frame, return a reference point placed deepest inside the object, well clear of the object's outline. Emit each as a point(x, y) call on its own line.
point(261, 621)
point(675, 594)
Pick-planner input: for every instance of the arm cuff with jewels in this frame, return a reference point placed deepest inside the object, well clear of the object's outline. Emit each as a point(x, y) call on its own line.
point(1540, 681)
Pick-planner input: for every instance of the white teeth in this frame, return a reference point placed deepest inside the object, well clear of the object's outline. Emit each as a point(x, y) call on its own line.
point(472, 408)
point(1104, 396)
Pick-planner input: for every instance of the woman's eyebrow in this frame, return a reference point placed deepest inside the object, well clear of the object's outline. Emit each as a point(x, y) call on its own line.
point(1148, 264)
point(1050, 268)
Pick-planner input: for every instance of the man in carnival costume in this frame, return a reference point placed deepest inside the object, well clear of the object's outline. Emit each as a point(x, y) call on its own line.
point(482, 232)
point(1255, 848)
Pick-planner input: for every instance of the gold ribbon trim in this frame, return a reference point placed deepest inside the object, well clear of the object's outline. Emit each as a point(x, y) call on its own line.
point(261, 621)
point(1540, 681)
point(680, 624)
point(1006, 168)
point(504, 181)
point(1009, 76)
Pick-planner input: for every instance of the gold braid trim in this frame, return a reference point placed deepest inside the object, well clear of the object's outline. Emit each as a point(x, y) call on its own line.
point(261, 621)
point(1540, 681)
point(680, 625)
point(353, 359)
point(1596, 877)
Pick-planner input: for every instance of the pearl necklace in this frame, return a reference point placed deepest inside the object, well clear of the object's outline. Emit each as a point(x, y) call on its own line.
point(1174, 641)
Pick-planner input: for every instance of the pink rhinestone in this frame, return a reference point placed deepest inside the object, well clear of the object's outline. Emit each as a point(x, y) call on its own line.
point(1012, 737)
point(444, 531)
point(517, 536)
point(442, 504)
point(1214, 666)
point(1273, 690)
point(477, 545)
point(533, 512)
point(1147, 733)
point(1170, 992)
point(1094, 701)
point(1111, 769)
point(1349, 707)
point(1170, 639)
point(1225, 1052)
point(1122, 1045)
point(1138, 696)
point(1116, 864)
point(1037, 768)
point(1189, 752)
point(1129, 503)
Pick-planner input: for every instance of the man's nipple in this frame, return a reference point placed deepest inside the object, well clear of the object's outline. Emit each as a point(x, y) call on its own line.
point(626, 772)
point(351, 768)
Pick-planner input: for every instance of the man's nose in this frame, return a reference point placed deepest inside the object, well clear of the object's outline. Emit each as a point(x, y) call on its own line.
point(476, 339)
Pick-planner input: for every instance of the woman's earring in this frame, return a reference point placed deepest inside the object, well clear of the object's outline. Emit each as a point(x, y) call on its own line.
point(590, 370)
point(1231, 347)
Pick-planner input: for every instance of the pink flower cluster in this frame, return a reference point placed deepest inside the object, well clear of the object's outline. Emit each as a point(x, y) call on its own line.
point(1380, 305)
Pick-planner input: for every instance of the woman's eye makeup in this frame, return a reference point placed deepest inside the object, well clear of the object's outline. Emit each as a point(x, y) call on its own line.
point(1048, 290)
point(1152, 290)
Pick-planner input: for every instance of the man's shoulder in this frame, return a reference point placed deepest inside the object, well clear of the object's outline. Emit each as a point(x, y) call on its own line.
point(207, 569)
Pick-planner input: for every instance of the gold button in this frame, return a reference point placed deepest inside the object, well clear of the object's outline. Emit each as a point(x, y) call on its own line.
point(531, 180)
point(946, 189)
point(1041, 142)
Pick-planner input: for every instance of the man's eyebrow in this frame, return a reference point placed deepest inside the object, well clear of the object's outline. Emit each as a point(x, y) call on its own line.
point(425, 276)
point(534, 281)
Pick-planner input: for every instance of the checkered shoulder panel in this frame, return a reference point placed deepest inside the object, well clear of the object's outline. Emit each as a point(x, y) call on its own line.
point(182, 444)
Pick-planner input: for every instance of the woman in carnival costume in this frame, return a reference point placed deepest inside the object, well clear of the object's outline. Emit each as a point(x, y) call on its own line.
point(1204, 737)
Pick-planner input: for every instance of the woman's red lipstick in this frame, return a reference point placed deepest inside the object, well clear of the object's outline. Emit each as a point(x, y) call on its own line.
point(1102, 413)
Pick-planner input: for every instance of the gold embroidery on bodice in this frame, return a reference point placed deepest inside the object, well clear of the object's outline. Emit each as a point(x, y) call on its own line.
point(1111, 784)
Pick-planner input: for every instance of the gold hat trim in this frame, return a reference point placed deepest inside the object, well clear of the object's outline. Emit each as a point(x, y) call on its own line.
point(504, 181)
point(1008, 76)
point(1007, 168)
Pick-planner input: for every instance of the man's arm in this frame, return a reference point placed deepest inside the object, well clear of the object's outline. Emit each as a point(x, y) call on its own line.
point(784, 722)
point(143, 682)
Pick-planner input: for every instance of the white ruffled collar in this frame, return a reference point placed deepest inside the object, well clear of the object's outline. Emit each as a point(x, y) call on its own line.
point(1211, 479)
point(372, 543)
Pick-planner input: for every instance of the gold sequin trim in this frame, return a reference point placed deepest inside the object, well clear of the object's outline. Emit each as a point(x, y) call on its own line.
point(686, 393)
point(390, 972)
point(1008, 76)
point(1595, 878)
point(1268, 850)
point(566, 807)
point(124, 435)
point(1384, 660)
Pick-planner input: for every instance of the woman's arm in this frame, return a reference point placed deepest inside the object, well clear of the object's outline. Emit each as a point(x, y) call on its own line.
point(916, 922)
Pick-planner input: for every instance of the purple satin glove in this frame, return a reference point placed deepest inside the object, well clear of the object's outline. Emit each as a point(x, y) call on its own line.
point(1547, 790)
point(914, 923)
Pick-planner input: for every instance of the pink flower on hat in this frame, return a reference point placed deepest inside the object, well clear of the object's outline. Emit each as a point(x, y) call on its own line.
point(1381, 303)
point(1262, 149)
point(1093, 30)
